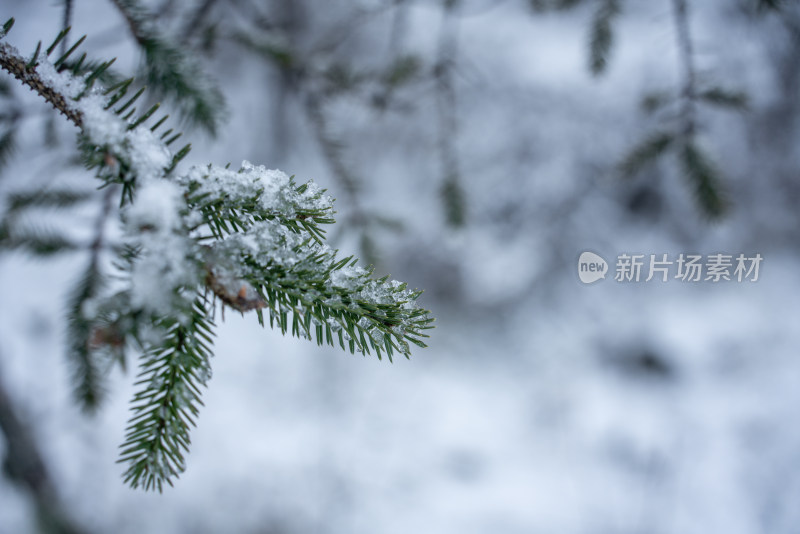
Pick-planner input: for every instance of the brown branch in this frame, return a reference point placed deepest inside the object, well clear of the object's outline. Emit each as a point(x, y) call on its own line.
point(18, 67)
point(240, 300)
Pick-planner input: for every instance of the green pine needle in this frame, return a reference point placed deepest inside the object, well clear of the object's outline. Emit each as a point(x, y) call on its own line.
point(82, 339)
point(646, 153)
point(601, 36)
point(717, 96)
point(704, 179)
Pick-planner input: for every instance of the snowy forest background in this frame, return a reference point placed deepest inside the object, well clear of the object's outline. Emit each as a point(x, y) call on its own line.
point(474, 154)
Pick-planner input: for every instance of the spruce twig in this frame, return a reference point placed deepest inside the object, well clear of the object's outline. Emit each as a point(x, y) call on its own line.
point(251, 237)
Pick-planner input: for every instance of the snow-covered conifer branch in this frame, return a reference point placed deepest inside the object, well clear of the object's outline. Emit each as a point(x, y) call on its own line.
point(250, 239)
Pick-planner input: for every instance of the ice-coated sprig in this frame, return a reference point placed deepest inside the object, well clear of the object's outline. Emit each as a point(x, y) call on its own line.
point(306, 288)
point(167, 403)
point(230, 201)
point(249, 239)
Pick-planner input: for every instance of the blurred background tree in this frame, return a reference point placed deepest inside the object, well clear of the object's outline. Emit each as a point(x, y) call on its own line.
point(477, 147)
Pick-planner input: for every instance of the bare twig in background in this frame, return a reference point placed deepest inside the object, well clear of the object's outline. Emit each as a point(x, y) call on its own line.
point(331, 148)
point(290, 18)
point(195, 21)
point(306, 72)
point(358, 218)
point(686, 56)
point(297, 80)
point(341, 32)
point(451, 190)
